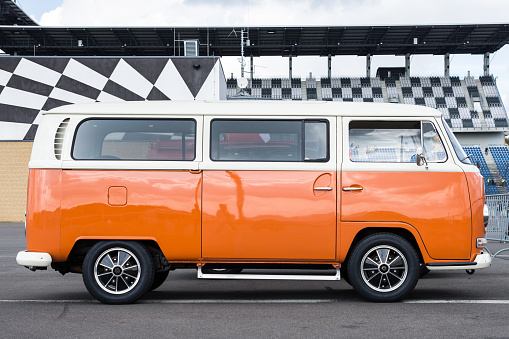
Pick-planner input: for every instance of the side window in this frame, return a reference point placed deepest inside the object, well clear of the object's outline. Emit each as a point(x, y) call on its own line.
point(432, 144)
point(135, 139)
point(394, 141)
point(269, 140)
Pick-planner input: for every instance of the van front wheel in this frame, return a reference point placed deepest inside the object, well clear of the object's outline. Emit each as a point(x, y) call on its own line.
point(118, 272)
point(384, 267)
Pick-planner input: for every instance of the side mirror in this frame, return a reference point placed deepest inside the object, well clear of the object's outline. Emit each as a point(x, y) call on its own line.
point(420, 159)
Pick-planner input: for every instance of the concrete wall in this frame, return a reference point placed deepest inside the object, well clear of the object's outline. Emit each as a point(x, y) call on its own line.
point(482, 139)
point(14, 157)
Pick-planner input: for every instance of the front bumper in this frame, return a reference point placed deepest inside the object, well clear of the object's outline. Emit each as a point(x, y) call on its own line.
point(481, 261)
point(33, 260)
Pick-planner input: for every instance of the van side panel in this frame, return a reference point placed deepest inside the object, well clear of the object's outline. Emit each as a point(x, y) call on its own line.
point(43, 212)
point(269, 215)
point(160, 205)
point(476, 189)
point(437, 204)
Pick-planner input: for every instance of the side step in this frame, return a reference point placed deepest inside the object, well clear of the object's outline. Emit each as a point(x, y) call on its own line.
point(245, 276)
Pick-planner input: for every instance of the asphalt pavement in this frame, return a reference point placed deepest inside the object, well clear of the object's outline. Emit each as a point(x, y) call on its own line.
point(452, 304)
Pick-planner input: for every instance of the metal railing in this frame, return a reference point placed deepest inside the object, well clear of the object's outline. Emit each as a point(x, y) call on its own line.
point(498, 225)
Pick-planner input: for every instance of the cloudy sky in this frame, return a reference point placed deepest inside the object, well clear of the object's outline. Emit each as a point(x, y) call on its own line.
point(237, 13)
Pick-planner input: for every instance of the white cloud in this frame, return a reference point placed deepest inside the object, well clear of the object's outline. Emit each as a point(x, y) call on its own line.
point(274, 12)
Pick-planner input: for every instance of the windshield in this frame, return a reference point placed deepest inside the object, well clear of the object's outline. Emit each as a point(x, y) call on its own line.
point(456, 145)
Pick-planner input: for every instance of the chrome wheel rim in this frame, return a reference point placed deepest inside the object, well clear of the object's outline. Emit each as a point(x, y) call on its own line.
point(384, 268)
point(117, 270)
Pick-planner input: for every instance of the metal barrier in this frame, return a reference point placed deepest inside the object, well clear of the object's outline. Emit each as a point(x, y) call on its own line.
point(498, 225)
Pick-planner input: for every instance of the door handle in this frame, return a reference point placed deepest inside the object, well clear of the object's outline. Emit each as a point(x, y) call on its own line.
point(196, 171)
point(323, 188)
point(350, 188)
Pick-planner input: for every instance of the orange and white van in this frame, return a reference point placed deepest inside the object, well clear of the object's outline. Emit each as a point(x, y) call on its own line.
point(376, 194)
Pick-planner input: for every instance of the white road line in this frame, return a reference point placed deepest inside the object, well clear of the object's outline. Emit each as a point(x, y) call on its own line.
point(456, 301)
point(249, 301)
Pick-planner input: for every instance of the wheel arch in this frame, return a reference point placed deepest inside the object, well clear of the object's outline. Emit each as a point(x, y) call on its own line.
point(405, 233)
point(76, 256)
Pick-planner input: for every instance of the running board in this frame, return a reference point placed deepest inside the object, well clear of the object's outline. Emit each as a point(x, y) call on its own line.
point(244, 276)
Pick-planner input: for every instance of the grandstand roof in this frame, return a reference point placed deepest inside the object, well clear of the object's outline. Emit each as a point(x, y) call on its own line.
point(11, 14)
point(264, 41)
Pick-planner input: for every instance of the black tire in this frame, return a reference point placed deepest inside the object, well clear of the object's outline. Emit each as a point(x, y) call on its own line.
point(221, 270)
point(159, 279)
point(118, 272)
point(344, 273)
point(384, 267)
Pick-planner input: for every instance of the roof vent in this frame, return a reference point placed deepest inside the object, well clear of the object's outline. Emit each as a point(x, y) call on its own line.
point(59, 138)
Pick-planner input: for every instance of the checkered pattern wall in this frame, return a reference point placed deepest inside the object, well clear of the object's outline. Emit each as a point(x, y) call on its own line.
point(29, 86)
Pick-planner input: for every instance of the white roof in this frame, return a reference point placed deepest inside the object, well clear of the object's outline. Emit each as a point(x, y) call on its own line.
point(247, 108)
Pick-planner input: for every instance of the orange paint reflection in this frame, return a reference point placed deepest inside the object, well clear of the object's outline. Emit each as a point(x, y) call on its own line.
point(267, 215)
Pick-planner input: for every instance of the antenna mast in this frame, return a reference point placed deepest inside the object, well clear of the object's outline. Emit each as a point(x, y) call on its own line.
point(242, 53)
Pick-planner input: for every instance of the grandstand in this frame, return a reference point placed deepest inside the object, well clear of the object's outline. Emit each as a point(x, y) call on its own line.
point(467, 104)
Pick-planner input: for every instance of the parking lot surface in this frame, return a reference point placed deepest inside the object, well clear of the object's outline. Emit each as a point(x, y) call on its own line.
point(450, 304)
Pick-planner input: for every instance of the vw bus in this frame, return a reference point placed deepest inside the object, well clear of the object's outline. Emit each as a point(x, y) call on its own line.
point(375, 194)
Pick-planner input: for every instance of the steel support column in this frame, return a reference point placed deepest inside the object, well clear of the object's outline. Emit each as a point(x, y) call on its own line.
point(447, 65)
point(329, 66)
point(407, 64)
point(486, 67)
point(368, 66)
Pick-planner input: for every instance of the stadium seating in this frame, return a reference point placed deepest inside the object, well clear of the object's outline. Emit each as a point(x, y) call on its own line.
point(352, 89)
point(311, 93)
point(501, 156)
point(477, 157)
point(495, 115)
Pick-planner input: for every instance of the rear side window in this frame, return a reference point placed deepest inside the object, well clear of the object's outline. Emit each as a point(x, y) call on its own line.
point(135, 139)
point(269, 140)
point(394, 141)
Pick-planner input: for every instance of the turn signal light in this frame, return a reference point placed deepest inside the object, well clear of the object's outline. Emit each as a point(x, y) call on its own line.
point(482, 242)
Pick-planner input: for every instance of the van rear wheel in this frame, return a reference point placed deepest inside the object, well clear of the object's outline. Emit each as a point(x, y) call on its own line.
point(384, 267)
point(118, 272)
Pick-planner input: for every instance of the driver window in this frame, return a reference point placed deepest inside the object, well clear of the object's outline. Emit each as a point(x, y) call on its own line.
point(394, 141)
point(384, 141)
point(432, 144)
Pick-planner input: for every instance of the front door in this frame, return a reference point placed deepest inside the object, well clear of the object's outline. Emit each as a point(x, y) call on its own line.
point(381, 183)
point(269, 190)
